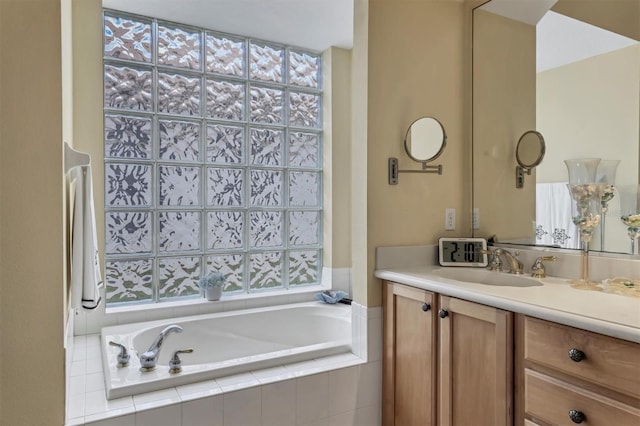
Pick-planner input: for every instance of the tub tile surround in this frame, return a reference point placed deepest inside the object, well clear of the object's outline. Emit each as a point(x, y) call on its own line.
point(340, 389)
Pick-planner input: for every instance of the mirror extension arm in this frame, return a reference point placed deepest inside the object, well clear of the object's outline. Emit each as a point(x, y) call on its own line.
point(394, 170)
point(424, 141)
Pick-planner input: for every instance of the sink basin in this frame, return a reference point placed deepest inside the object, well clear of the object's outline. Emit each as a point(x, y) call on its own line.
point(483, 276)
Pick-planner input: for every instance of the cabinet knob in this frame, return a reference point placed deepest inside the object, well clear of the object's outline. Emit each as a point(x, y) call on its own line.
point(576, 354)
point(443, 313)
point(426, 307)
point(576, 416)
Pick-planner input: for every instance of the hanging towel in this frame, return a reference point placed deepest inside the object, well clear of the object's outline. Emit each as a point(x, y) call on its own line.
point(554, 226)
point(86, 279)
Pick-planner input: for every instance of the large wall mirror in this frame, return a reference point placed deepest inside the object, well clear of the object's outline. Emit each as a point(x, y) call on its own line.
point(570, 70)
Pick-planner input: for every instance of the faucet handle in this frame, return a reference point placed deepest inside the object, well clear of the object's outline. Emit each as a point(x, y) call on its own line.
point(495, 263)
point(123, 355)
point(537, 270)
point(175, 364)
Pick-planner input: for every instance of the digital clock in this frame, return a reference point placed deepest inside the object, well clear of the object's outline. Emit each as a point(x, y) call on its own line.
point(462, 252)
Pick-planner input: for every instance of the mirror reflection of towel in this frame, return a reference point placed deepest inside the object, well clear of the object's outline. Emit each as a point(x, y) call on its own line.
point(86, 279)
point(554, 226)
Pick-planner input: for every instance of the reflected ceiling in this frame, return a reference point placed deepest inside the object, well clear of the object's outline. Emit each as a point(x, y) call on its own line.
point(561, 40)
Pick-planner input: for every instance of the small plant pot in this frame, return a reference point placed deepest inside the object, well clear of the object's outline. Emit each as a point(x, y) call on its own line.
point(213, 293)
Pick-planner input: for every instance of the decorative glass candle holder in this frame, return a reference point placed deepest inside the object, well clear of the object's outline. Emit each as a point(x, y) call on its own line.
point(632, 221)
point(585, 210)
point(605, 177)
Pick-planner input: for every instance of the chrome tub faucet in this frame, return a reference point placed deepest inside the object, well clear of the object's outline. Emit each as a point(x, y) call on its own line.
point(149, 359)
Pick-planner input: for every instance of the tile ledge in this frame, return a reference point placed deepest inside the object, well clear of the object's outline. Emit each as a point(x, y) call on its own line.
point(320, 365)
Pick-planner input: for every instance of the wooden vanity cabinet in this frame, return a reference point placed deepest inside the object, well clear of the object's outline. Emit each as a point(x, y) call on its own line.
point(446, 361)
point(572, 376)
point(409, 356)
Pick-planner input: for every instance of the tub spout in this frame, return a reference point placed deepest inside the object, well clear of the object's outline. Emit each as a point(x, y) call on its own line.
point(149, 359)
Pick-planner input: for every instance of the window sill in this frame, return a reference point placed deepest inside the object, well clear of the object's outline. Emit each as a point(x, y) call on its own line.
point(199, 305)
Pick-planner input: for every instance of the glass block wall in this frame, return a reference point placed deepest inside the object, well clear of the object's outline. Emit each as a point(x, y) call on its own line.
point(213, 161)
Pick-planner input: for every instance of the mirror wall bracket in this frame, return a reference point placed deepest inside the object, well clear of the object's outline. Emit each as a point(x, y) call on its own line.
point(394, 170)
point(520, 171)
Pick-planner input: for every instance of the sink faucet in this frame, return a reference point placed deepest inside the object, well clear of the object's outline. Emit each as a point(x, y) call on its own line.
point(150, 357)
point(495, 264)
point(515, 266)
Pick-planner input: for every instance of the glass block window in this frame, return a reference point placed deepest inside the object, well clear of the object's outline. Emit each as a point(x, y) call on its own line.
point(213, 161)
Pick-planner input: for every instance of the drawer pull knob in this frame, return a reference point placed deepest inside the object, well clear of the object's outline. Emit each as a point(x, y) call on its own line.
point(576, 416)
point(443, 313)
point(576, 355)
point(426, 307)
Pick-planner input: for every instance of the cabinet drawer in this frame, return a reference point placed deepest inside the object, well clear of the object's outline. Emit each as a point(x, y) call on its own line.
point(606, 361)
point(552, 400)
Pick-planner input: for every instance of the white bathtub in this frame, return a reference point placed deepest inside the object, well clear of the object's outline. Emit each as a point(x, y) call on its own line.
point(226, 343)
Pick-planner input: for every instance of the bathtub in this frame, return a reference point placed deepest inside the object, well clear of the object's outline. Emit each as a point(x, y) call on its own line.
point(226, 343)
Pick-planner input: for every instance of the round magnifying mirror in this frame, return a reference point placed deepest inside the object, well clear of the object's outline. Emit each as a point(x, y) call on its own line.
point(530, 149)
point(425, 140)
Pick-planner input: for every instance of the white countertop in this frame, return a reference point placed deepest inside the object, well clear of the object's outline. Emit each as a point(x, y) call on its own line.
point(554, 300)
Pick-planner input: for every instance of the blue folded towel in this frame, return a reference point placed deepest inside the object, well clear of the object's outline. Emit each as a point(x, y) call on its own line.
point(330, 296)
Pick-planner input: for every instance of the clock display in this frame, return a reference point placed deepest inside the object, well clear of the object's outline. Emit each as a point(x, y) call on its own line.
point(462, 252)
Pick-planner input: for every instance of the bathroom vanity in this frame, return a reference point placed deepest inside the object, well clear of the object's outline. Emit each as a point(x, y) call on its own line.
point(439, 353)
point(571, 375)
point(537, 352)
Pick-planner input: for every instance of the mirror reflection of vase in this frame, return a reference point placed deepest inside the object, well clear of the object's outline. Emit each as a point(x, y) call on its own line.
point(582, 170)
point(585, 211)
point(632, 221)
point(630, 217)
point(605, 177)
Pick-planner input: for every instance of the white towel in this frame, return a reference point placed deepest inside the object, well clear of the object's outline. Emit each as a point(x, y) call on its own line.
point(554, 226)
point(86, 279)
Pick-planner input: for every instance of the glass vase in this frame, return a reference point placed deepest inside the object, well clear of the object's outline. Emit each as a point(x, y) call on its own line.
point(582, 170)
point(585, 211)
point(632, 221)
point(605, 177)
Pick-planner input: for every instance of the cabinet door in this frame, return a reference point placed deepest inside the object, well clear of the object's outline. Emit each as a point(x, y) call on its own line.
point(409, 369)
point(476, 364)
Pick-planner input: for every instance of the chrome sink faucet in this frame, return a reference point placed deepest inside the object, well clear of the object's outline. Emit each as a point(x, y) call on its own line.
point(515, 266)
point(149, 359)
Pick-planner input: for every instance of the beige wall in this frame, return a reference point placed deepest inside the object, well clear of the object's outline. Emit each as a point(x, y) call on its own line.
point(591, 108)
point(87, 96)
point(415, 68)
point(504, 69)
point(359, 93)
point(1, 215)
point(31, 222)
point(337, 157)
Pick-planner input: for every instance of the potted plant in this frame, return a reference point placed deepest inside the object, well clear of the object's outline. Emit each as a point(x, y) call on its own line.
point(212, 284)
